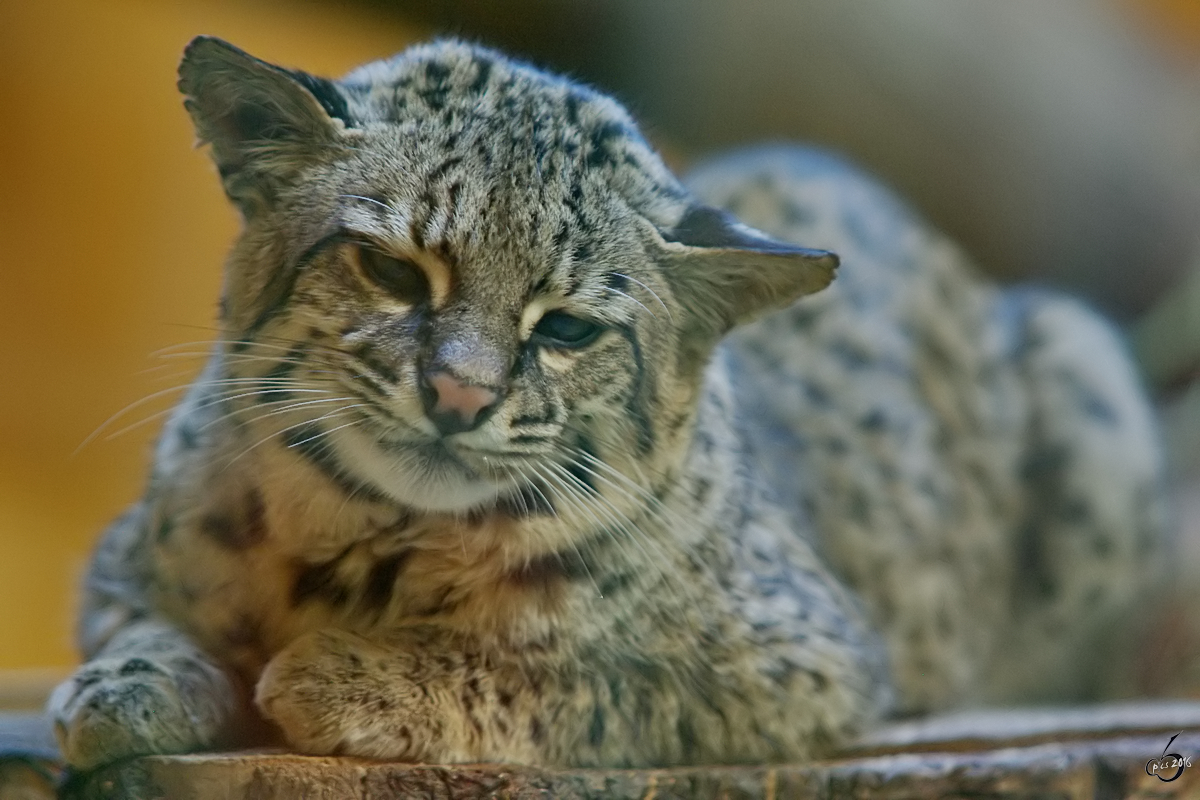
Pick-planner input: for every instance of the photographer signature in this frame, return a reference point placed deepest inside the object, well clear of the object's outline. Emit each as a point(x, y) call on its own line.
point(1168, 764)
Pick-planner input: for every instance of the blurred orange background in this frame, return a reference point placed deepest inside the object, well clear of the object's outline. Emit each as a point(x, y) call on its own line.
point(113, 230)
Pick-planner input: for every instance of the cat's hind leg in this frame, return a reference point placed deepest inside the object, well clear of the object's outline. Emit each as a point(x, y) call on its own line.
point(1090, 542)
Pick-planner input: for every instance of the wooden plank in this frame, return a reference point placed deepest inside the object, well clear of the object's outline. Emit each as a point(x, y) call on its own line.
point(987, 728)
point(1077, 770)
point(1098, 752)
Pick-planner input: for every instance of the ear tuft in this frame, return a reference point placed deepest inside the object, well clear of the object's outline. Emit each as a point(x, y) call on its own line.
point(727, 273)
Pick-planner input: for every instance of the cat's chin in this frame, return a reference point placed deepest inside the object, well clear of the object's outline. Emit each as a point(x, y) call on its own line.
point(423, 476)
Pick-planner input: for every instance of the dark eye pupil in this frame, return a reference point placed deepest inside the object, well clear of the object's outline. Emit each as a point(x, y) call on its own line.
point(402, 279)
point(563, 330)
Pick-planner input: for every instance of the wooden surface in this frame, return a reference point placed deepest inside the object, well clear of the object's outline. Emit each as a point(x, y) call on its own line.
point(1097, 753)
point(1111, 768)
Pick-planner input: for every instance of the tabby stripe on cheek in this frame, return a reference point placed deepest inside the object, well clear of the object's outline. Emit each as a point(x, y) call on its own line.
point(307, 441)
point(272, 391)
point(639, 402)
point(278, 291)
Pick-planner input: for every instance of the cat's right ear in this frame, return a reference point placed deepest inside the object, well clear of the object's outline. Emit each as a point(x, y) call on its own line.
point(263, 121)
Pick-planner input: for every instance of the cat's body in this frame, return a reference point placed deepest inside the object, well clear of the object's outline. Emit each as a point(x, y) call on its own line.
point(473, 476)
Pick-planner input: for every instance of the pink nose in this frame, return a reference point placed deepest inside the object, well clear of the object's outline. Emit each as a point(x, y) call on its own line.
point(455, 406)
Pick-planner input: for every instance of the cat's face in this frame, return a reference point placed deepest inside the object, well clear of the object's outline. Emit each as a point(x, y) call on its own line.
point(466, 278)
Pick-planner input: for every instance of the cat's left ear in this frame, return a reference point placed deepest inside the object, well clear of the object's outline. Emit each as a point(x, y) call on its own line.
point(726, 273)
point(262, 121)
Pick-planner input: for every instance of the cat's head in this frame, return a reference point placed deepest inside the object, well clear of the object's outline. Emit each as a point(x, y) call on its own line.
point(488, 263)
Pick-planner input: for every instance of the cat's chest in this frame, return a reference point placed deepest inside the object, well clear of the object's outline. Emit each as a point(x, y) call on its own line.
point(251, 573)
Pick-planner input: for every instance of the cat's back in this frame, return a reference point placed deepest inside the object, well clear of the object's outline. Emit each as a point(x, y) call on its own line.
point(898, 362)
point(961, 454)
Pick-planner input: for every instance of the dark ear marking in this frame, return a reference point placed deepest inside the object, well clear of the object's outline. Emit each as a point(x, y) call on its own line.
point(327, 94)
point(726, 273)
point(705, 226)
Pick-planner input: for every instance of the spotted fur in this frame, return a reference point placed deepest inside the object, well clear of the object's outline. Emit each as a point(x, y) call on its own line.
point(655, 543)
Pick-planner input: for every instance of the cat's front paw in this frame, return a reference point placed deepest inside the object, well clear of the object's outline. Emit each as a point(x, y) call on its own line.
point(114, 708)
point(331, 692)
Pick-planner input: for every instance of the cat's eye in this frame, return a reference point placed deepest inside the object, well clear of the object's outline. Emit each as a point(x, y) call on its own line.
point(559, 329)
point(399, 277)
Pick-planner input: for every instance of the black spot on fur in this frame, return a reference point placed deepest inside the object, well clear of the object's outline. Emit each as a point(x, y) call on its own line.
point(1035, 575)
point(327, 95)
point(381, 581)
point(483, 71)
point(537, 732)
point(599, 140)
point(615, 582)
point(817, 394)
point(436, 90)
point(420, 219)
point(850, 355)
point(320, 582)
point(581, 252)
point(1044, 463)
point(802, 316)
point(571, 105)
point(596, 729)
point(135, 666)
point(874, 421)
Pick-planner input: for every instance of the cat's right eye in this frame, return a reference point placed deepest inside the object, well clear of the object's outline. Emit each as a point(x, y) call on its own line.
point(399, 277)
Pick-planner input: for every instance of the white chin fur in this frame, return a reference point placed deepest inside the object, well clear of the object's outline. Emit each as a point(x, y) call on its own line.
point(446, 489)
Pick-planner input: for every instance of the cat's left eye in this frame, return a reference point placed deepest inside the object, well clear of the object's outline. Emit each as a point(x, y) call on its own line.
point(559, 329)
point(400, 277)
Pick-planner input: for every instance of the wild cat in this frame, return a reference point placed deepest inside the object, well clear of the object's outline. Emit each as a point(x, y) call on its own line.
point(514, 447)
